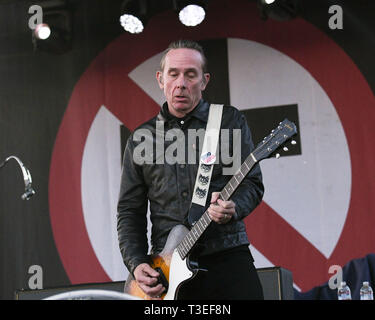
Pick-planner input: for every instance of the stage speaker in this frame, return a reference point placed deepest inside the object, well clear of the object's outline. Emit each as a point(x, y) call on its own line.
point(277, 284)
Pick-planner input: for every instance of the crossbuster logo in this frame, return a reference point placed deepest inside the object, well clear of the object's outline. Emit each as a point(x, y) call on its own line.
point(308, 194)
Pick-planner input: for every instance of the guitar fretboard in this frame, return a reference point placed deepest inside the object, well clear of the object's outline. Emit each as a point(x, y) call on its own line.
point(201, 225)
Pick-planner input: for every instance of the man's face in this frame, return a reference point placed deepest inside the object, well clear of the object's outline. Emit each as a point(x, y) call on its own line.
point(182, 80)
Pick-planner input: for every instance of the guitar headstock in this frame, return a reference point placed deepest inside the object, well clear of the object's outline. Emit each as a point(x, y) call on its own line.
point(275, 141)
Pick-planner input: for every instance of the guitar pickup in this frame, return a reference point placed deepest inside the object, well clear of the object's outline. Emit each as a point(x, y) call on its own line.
point(162, 279)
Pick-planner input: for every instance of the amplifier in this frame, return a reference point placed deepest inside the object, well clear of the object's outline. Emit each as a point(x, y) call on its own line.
point(277, 283)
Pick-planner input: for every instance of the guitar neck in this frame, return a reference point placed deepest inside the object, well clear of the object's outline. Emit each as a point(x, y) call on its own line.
point(201, 225)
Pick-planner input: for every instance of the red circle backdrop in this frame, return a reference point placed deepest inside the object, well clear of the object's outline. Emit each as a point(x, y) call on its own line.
point(106, 82)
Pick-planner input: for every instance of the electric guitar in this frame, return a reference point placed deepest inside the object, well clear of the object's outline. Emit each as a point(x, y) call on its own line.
point(173, 262)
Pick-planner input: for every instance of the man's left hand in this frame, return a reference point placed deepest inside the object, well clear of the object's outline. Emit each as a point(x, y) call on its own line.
point(221, 211)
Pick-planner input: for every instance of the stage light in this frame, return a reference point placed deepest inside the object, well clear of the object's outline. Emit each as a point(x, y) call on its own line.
point(42, 31)
point(134, 15)
point(191, 13)
point(131, 23)
point(54, 34)
point(280, 10)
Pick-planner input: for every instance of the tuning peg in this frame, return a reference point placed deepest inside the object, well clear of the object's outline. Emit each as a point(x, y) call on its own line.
point(277, 155)
point(293, 142)
point(285, 149)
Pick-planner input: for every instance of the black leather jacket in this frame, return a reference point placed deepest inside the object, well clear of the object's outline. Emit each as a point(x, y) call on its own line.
point(169, 187)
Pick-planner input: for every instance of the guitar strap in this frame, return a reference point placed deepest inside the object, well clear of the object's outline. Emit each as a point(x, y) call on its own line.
point(207, 160)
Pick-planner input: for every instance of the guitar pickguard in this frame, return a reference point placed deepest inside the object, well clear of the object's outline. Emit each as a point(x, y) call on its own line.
point(175, 269)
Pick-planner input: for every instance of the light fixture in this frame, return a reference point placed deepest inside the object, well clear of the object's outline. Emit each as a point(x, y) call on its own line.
point(191, 13)
point(131, 23)
point(134, 15)
point(42, 31)
point(54, 34)
point(280, 10)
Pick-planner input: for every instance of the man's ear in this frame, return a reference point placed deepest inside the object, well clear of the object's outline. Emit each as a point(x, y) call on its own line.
point(206, 78)
point(159, 78)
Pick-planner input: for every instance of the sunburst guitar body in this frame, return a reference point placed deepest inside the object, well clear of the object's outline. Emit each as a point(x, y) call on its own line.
point(173, 269)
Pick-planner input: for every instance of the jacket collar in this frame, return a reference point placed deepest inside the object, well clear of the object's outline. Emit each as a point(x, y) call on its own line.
point(200, 112)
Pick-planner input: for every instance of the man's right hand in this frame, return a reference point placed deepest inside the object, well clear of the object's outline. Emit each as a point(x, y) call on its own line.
point(147, 279)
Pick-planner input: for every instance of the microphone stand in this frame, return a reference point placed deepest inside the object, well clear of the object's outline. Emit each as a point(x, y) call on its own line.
point(29, 191)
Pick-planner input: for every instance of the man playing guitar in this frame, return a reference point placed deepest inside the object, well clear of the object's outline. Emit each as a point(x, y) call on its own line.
point(222, 250)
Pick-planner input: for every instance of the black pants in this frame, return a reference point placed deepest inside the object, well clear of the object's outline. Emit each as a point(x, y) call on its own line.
point(230, 275)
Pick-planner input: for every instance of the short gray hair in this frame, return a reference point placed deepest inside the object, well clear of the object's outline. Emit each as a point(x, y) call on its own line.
point(185, 44)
